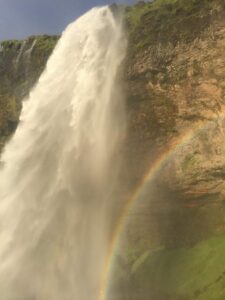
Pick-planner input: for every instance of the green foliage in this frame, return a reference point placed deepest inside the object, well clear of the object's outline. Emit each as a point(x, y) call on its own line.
point(44, 43)
point(167, 21)
point(11, 44)
point(193, 273)
point(168, 9)
point(133, 14)
point(196, 273)
point(9, 114)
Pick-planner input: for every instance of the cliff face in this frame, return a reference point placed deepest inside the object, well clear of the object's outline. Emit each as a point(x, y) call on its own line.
point(174, 77)
point(174, 74)
point(175, 96)
point(21, 63)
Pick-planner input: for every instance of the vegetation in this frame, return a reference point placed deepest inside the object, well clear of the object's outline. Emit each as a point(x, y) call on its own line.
point(167, 21)
point(10, 44)
point(19, 70)
point(9, 114)
point(193, 273)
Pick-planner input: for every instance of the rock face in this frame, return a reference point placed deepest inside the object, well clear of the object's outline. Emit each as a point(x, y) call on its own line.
point(21, 63)
point(174, 76)
point(175, 96)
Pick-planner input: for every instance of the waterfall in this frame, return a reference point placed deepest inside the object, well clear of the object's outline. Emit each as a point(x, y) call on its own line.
point(21, 50)
point(27, 57)
point(59, 170)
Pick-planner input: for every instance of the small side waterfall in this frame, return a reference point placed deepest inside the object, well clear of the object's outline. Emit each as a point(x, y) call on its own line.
point(60, 168)
point(27, 57)
point(20, 54)
point(24, 55)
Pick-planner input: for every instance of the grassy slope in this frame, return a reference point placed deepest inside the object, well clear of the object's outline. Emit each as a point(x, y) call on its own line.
point(166, 21)
point(195, 273)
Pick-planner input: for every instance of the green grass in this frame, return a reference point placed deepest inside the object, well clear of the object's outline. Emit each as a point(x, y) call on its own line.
point(194, 273)
point(45, 43)
point(167, 8)
point(167, 21)
point(11, 44)
point(134, 13)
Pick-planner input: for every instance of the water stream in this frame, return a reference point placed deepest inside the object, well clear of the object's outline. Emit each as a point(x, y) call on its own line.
point(60, 168)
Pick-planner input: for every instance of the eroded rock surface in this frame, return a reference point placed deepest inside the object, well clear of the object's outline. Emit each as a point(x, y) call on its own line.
point(176, 105)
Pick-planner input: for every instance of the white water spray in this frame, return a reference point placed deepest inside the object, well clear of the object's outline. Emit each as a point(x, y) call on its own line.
point(59, 170)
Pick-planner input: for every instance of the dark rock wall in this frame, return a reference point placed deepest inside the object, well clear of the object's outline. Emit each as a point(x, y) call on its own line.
point(21, 63)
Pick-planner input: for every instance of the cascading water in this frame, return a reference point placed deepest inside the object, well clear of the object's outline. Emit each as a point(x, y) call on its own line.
point(20, 54)
point(59, 170)
point(27, 57)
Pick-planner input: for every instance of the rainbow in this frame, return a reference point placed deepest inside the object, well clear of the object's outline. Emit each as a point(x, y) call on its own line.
point(151, 173)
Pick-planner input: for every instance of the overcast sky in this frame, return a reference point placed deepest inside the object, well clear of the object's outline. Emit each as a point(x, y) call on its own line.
point(21, 18)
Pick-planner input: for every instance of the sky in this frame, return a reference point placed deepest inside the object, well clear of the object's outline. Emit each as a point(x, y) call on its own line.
point(22, 18)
